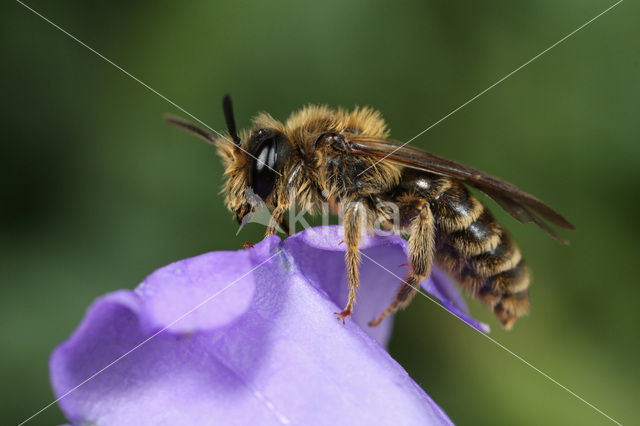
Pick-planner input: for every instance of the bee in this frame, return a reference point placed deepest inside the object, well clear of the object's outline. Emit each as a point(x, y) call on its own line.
point(341, 157)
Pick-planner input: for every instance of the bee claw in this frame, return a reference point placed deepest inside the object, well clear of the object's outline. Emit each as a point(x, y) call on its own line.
point(404, 264)
point(374, 323)
point(342, 315)
point(248, 245)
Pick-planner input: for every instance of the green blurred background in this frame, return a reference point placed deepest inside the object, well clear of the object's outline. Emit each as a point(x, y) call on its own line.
point(97, 191)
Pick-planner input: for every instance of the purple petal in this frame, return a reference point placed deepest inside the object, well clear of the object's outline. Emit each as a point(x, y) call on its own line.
point(259, 343)
point(320, 256)
point(441, 287)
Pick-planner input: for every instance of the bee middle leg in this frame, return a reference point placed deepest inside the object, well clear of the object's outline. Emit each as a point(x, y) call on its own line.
point(353, 218)
point(421, 251)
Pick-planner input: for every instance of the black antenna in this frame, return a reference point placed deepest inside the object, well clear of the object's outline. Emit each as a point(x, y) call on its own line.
point(227, 107)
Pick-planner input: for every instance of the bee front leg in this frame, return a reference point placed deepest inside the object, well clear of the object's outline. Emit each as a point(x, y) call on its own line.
point(421, 249)
point(278, 221)
point(353, 218)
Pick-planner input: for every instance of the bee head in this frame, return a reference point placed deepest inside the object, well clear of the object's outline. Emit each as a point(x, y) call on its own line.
point(254, 163)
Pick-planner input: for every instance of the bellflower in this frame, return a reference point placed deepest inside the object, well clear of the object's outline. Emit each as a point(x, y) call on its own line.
point(249, 337)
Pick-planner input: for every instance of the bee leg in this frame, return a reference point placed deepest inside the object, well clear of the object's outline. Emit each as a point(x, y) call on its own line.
point(353, 217)
point(421, 249)
point(284, 225)
point(278, 221)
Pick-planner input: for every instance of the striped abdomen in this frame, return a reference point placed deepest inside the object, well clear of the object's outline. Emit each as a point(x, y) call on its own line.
point(477, 251)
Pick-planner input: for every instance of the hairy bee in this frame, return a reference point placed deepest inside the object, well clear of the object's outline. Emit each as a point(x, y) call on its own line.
point(345, 157)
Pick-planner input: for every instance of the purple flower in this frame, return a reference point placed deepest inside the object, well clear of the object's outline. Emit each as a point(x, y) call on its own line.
point(249, 337)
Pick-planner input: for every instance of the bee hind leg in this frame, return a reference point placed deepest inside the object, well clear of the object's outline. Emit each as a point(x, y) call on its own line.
point(421, 249)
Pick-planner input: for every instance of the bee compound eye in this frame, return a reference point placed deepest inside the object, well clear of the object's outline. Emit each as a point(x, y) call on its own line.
point(264, 174)
point(267, 156)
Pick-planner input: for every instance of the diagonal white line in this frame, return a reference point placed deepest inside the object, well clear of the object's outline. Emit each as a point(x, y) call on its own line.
point(208, 299)
point(545, 375)
point(145, 85)
point(232, 283)
point(494, 84)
